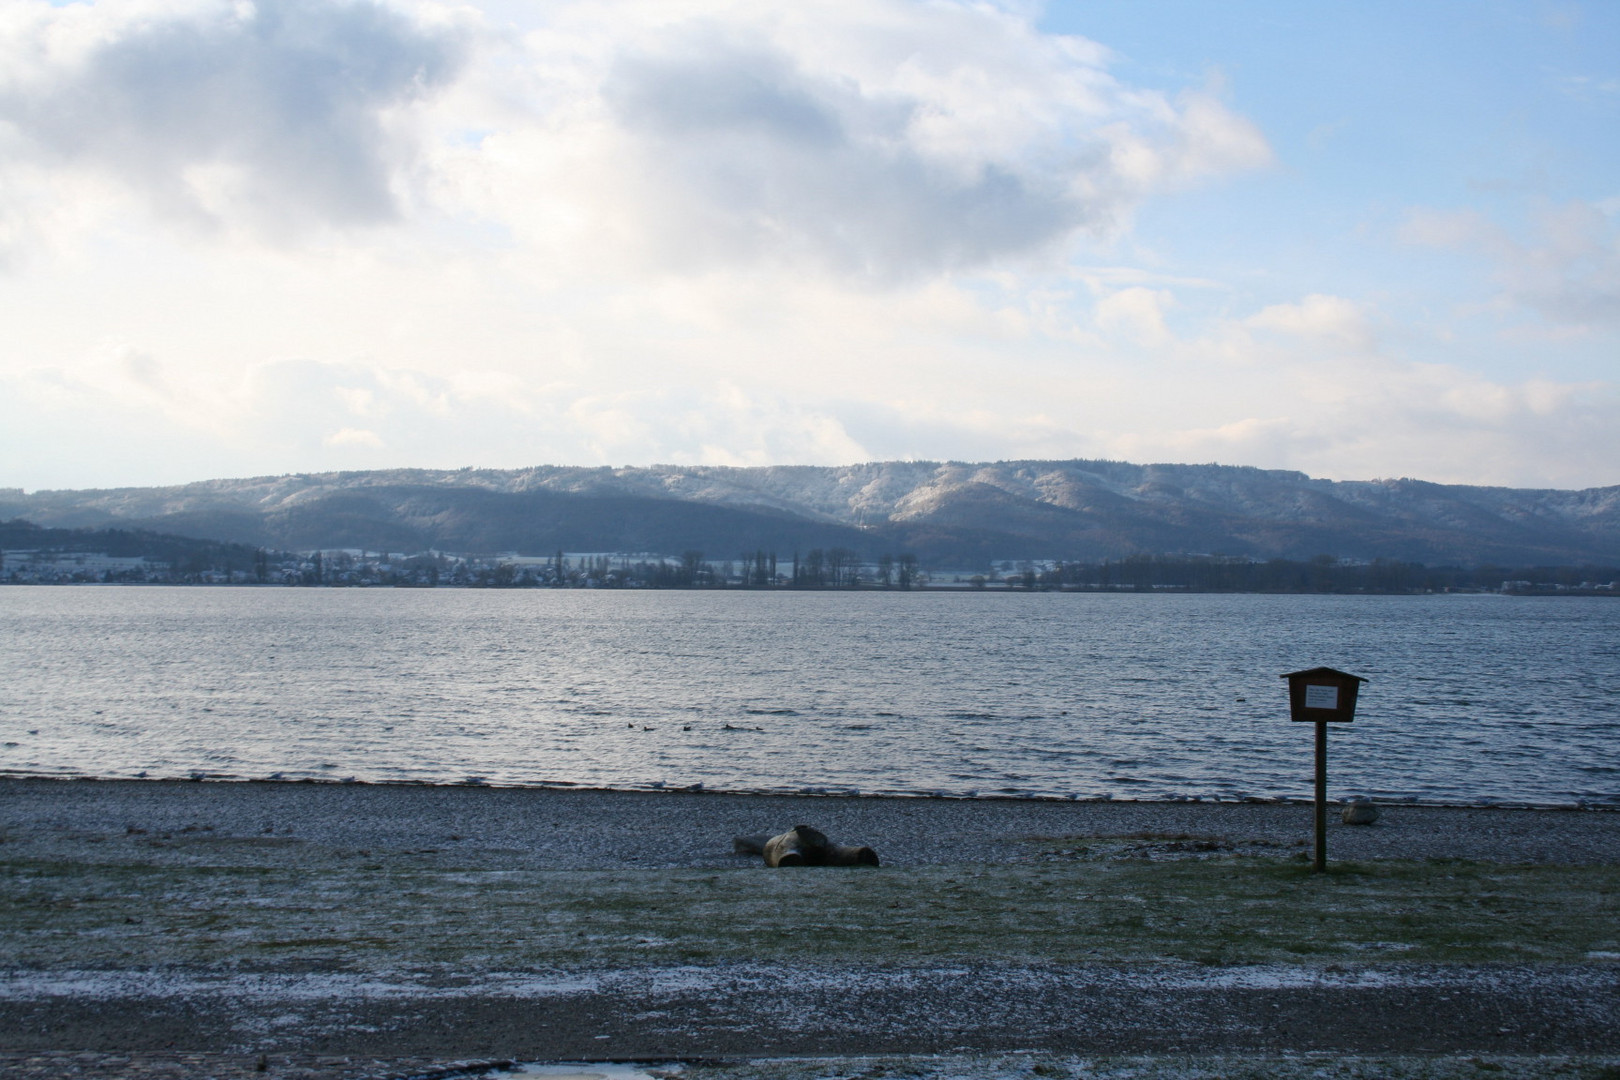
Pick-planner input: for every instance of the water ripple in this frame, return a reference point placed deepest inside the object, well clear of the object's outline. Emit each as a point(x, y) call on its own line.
point(1472, 698)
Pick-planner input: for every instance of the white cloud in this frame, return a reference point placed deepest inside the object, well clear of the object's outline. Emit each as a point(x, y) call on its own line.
point(292, 235)
point(1206, 139)
point(880, 138)
point(1588, 88)
point(1376, 417)
point(1317, 318)
point(886, 140)
point(1453, 229)
point(281, 115)
point(1276, 440)
point(1367, 416)
point(354, 437)
point(1137, 311)
point(1566, 269)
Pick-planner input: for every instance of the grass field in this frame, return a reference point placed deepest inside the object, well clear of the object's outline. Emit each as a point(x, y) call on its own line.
point(1073, 901)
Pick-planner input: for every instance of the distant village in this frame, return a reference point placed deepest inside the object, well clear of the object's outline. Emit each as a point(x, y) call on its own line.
point(354, 567)
point(836, 568)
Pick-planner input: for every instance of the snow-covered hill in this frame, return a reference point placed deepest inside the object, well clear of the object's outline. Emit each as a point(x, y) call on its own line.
point(944, 511)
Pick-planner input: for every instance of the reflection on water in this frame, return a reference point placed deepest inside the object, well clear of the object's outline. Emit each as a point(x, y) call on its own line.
point(1132, 696)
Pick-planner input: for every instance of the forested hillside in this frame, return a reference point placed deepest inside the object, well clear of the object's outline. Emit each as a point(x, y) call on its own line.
point(947, 513)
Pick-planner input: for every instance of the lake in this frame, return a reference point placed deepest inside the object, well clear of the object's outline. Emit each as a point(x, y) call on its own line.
point(1129, 696)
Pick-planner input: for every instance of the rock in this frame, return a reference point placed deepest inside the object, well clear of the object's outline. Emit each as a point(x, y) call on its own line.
point(1359, 811)
point(804, 846)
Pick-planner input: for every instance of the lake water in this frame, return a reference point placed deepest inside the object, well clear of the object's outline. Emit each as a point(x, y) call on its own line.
point(1129, 696)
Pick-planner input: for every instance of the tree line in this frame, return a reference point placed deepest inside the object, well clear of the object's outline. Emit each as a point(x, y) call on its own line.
point(817, 568)
point(1321, 574)
point(184, 560)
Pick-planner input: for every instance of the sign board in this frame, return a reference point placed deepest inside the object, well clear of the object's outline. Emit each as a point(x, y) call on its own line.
point(1323, 693)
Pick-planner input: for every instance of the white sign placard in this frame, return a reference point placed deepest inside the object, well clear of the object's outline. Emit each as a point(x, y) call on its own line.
point(1321, 697)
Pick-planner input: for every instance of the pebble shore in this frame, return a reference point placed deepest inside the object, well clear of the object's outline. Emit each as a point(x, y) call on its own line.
point(549, 828)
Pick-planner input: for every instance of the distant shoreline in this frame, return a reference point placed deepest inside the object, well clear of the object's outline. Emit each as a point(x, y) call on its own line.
point(997, 589)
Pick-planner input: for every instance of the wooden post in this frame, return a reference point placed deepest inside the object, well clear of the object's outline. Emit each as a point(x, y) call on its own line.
point(1322, 695)
point(1321, 798)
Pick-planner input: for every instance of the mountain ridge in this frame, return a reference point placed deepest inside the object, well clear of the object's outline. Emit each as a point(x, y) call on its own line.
point(963, 512)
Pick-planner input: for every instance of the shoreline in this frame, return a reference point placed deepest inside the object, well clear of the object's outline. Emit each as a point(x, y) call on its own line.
point(966, 588)
point(699, 789)
point(577, 827)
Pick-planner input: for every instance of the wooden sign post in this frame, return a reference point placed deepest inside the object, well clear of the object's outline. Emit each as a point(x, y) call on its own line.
point(1322, 696)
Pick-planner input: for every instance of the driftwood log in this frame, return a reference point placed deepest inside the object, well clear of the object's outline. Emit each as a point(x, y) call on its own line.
point(803, 846)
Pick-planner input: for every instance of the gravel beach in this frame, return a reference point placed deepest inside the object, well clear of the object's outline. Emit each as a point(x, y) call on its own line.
point(558, 829)
point(114, 998)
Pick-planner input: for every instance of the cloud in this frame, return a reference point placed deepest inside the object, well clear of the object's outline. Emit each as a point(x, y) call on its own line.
point(354, 437)
point(301, 414)
point(1588, 89)
point(1464, 428)
point(720, 423)
point(887, 141)
point(1318, 318)
point(1454, 229)
point(276, 115)
point(1566, 269)
point(137, 418)
point(1377, 418)
point(1199, 139)
point(1278, 440)
point(758, 159)
point(630, 231)
point(1139, 312)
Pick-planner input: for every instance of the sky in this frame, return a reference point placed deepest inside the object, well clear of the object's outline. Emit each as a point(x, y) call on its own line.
point(256, 237)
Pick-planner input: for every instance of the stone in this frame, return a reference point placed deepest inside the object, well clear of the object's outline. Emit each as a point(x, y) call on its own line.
point(1359, 811)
